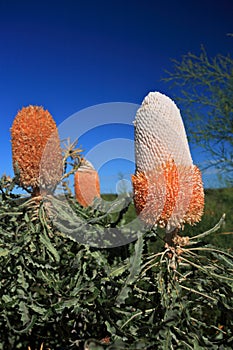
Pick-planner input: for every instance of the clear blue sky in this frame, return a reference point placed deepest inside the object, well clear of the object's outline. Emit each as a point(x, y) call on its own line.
point(67, 55)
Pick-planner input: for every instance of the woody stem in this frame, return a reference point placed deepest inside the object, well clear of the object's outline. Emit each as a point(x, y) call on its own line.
point(170, 237)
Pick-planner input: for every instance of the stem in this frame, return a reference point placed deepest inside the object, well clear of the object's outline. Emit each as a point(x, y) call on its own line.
point(215, 228)
point(135, 315)
point(170, 236)
point(195, 291)
point(209, 249)
point(205, 270)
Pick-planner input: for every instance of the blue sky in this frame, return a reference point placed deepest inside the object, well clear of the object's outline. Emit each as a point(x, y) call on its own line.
point(68, 55)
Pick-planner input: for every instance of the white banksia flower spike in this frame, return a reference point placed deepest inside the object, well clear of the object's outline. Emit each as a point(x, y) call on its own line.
point(168, 189)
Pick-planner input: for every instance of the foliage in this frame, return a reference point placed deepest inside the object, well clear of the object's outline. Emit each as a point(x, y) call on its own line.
point(217, 201)
point(63, 294)
point(205, 91)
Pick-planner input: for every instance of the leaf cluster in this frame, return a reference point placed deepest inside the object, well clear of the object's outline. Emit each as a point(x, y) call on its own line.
point(65, 294)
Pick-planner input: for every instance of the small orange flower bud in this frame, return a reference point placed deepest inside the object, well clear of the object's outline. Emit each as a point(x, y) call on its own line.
point(86, 182)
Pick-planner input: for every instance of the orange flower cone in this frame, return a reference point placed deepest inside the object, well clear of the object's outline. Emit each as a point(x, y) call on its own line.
point(36, 152)
point(86, 182)
point(168, 189)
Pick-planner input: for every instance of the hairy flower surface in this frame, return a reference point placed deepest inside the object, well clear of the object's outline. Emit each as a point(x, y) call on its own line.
point(87, 186)
point(168, 189)
point(37, 157)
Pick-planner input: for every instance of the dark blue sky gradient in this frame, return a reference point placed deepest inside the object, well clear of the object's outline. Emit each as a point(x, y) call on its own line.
point(69, 55)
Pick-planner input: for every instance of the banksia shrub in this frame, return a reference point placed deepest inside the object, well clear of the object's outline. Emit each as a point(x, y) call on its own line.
point(87, 186)
point(37, 158)
point(168, 189)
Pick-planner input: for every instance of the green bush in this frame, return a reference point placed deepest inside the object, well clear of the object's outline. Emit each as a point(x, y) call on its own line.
point(67, 295)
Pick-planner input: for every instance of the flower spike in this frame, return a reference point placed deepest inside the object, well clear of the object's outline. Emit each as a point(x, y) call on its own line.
point(37, 156)
point(168, 189)
point(86, 182)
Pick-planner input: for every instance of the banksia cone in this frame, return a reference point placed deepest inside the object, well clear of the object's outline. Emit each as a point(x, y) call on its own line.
point(86, 182)
point(168, 189)
point(37, 157)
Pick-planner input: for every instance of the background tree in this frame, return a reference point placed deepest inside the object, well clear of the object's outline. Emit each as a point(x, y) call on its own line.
point(204, 91)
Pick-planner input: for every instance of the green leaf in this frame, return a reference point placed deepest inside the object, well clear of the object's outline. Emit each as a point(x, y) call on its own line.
point(117, 271)
point(25, 317)
point(38, 309)
point(4, 252)
point(7, 298)
point(47, 243)
point(21, 279)
point(110, 328)
point(26, 218)
point(134, 270)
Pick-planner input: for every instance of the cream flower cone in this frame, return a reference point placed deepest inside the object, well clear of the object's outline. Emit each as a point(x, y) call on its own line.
point(168, 189)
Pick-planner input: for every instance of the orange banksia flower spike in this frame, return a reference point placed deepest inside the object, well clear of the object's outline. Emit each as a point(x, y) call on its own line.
point(86, 182)
point(168, 189)
point(36, 151)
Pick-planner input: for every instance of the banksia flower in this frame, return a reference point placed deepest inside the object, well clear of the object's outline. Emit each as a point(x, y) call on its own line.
point(86, 182)
point(37, 157)
point(168, 189)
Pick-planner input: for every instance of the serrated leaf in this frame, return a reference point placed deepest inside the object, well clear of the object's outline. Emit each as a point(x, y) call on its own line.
point(6, 298)
point(38, 309)
point(4, 252)
point(134, 270)
point(47, 243)
point(117, 271)
point(26, 218)
point(21, 279)
point(110, 328)
point(25, 318)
